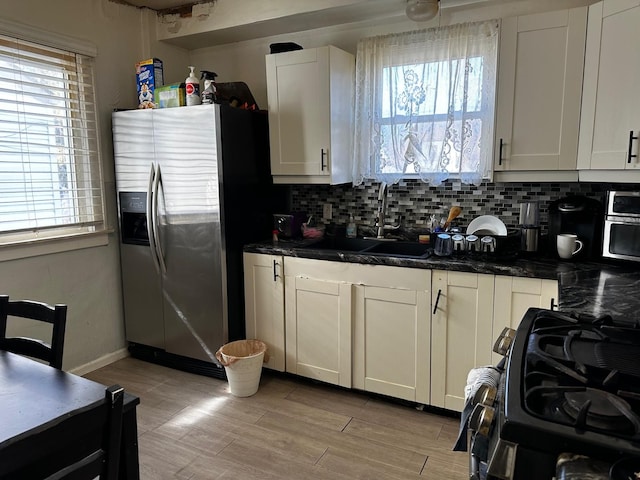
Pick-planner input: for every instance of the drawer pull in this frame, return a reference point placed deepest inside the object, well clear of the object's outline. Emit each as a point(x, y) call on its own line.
point(323, 154)
point(631, 139)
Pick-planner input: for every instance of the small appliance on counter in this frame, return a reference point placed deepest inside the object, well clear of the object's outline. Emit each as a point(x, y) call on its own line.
point(622, 226)
point(582, 216)
point(529, 223)
point(289, 225)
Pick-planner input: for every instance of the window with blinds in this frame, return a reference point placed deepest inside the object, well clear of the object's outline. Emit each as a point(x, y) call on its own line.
point(50, 174)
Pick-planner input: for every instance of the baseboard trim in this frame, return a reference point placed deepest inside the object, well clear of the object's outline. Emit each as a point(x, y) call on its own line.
point(100, 362)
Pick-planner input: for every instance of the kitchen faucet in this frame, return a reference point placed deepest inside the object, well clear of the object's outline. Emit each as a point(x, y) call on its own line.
point(382, 211)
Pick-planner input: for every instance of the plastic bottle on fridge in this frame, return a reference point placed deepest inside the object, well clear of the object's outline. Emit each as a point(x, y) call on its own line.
point(192, 88)
point(209, 90)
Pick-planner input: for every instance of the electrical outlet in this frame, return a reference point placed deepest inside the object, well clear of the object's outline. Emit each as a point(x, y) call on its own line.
point(326, 211)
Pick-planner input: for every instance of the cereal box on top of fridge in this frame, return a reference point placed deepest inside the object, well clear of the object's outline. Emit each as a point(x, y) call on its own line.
point(148, 77)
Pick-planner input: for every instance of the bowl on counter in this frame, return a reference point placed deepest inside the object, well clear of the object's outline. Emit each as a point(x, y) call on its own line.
point(315, 232)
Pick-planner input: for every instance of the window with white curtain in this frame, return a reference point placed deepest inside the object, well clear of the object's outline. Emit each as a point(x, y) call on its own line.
point(50, 175)
point(425, 104)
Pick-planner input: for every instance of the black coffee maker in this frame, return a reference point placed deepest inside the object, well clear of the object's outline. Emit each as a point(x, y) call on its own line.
point(581, 215)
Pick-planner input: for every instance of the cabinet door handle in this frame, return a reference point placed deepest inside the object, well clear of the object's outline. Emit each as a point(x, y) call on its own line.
point(323, 154)
point(275, 274)
point(435, 307)
point(553, 305)
point(631, 139)
point(500, 152)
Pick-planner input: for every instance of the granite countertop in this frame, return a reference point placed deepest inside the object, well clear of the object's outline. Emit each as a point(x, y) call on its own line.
point(595, 288)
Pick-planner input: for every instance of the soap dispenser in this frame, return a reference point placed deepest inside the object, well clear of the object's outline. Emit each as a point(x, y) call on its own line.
point(352, 228)
point(192, 89)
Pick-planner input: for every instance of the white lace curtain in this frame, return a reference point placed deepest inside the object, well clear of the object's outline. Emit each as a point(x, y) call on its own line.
point(425, 104)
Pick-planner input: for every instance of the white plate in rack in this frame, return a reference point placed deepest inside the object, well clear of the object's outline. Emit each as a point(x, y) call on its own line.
point(487, 225)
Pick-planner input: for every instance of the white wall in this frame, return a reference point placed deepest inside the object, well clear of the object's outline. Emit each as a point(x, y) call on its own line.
point(88, 280)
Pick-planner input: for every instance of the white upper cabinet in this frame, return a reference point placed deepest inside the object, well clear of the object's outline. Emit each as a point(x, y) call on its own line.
point(310, 97)
point(611, 104)
point(539, 93)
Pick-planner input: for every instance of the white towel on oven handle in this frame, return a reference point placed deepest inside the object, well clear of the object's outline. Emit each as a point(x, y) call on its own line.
point(477, 376)
point(488, 375)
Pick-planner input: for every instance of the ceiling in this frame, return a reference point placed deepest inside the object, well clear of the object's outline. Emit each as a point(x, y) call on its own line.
point(171, 4)
point(346, 12)
point(159, 4)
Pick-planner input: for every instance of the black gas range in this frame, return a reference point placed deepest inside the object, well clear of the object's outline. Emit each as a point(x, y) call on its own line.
point(567, 405)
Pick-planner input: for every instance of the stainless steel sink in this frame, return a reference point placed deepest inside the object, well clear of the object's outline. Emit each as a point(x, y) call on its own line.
point(344, 244)
point(401, 249)
point(372, 247)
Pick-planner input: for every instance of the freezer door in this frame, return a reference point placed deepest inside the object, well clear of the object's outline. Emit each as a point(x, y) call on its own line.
point(132, 149)
point(190, 231)
point(142, 297)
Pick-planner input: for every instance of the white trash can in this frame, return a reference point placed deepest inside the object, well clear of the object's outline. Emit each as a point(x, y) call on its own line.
point(242, 362)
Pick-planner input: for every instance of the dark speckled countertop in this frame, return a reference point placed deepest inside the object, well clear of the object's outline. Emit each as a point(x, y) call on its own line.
point(594, 288)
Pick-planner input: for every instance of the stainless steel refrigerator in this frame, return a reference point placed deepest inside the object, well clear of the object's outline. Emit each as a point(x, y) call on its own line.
point(194, 186)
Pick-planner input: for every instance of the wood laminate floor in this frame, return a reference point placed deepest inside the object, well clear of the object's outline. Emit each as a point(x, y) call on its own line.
point(191, 427)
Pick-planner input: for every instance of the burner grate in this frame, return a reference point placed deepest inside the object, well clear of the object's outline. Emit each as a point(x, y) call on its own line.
point(584, 409)
point(615, 356)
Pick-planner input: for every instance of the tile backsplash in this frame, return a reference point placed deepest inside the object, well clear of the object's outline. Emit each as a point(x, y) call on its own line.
point(415, 201)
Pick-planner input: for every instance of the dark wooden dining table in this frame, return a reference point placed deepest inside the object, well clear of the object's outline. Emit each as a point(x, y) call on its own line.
point(46, 416)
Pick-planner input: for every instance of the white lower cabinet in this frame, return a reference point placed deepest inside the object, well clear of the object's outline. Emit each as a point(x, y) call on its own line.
point(467, 318)
point(462, 334)
point(515, 295)
point(264, 304)
point(318, 320)
point(318, 329)
point(391, 347)
point(407, 333)
point(360, 326)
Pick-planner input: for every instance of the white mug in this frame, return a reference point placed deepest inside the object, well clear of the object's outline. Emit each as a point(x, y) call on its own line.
point(568, 245)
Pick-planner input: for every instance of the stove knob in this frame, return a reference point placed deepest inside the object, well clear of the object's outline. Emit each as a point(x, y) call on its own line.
point(485, 395)
point(504, 341)
point(481, 419)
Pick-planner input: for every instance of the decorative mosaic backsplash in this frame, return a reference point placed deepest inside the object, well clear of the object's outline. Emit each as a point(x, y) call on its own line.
point(415, 201)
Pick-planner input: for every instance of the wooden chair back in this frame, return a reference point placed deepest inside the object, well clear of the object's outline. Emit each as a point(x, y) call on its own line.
point(54, 315)
point(104, 462)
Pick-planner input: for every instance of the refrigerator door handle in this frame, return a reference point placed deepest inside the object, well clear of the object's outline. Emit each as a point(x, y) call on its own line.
point(150, 220)
point(157, 184)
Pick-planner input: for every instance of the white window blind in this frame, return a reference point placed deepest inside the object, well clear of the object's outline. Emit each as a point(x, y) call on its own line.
point(50, 173)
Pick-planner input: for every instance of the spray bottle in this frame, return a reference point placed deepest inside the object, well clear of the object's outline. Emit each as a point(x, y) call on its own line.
point(192, 87)
point(209, 91)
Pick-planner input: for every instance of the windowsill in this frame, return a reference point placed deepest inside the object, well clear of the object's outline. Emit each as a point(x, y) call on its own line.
point(48, 246)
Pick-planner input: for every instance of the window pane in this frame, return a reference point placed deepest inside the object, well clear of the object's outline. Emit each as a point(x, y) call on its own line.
point(416, 100)
point(425, 104)
point(49, 165)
